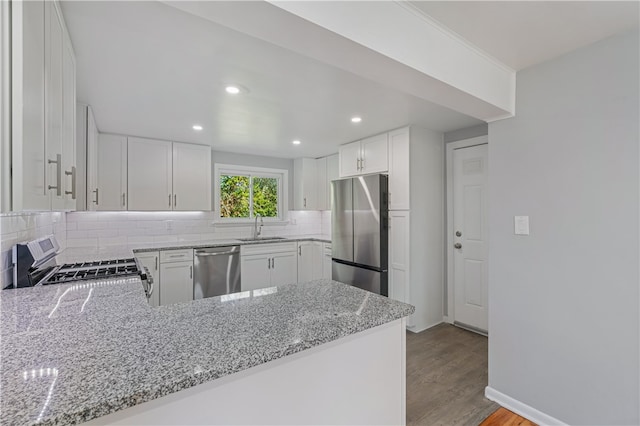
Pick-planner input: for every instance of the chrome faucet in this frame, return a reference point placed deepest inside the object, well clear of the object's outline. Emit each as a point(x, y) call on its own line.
point(256, 231)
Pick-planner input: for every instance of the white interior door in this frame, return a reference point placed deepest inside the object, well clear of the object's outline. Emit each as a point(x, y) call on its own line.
point(470, 227)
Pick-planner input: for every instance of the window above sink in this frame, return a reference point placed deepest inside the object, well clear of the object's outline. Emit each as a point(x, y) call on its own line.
point(241, 193)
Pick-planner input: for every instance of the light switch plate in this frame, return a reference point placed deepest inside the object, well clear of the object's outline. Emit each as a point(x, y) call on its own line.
point(521, 225)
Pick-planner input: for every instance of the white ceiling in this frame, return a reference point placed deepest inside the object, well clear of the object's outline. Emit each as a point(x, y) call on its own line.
point(148, 69)
point(152, 70)
point(523, 33)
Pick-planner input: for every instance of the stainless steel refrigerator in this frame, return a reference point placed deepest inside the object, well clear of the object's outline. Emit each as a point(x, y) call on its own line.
point(359, 232)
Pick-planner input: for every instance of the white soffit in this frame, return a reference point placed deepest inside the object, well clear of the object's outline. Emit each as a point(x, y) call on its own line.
point(404, 33)
point(391, 43)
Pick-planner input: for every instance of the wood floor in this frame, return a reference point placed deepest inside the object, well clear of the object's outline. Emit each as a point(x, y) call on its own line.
point(504, 417)
point(446, 377)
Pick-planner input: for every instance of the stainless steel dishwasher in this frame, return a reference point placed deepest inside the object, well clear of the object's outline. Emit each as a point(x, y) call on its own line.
point(216, 271)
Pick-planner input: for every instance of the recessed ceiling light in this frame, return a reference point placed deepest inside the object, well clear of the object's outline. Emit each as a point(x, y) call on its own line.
point(234, 90)
point(197, 127)
point(296, 142)
point(356, 119)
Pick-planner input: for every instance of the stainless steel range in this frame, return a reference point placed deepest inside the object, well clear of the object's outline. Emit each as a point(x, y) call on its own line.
point(34, 263)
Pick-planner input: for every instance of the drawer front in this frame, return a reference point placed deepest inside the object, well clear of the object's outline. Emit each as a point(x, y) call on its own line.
point(251, 249)
point(176, 255)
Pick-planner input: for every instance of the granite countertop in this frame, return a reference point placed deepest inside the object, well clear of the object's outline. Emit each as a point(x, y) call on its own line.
point(119, 252)
point(71, 353)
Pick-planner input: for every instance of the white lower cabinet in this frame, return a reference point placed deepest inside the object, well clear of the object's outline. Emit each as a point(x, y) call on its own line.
point(326, 261)
point(255, 271)
point(150, 260)
point(268, 265)
point(177, 282)
point(176, 275)
point(309, 261)
point(284, 268)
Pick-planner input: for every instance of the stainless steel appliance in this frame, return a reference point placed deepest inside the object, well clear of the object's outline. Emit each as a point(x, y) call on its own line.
point(359, 232)
point(34, 263)
point(216, 271)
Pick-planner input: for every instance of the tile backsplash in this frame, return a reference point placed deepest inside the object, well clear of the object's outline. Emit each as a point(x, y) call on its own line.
point(100, 230)
point(104, 229)
point(22, 227)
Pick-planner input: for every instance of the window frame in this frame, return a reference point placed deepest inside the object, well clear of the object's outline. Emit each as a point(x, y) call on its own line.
point(230, 169)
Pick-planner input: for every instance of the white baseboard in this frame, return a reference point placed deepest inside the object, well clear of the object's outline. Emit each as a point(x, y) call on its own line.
point(447, 319)
point(521, 408)
point(416, 329)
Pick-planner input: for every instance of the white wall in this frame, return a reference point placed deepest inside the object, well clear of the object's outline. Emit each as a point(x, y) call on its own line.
point(564, 301)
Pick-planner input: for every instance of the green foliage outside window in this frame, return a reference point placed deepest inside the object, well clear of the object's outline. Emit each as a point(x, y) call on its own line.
point(237, 192)
point(265, 196)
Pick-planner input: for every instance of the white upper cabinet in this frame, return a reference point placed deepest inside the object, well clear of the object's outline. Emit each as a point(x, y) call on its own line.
point(43, 108)
point(166, 175)
point(69, 157)
point(29, 185)
point(399, 170)
point(322, 184)
point(191, 177)
point(149, 174)
point(304, 184)
point(91, 134)
point(53, 105)
point(349, 159)
point(374, 155)
point(112, 172)
point(333, 173)
point(327, 171)
point(367, 156)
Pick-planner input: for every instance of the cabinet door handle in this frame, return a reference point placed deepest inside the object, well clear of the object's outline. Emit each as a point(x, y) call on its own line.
point(123, 203)
point(358, 164)
point(268, 263)
point(156, 263)
point(169, 200)
point(273, 262)
point(96, 200)
point(72, 173)
point(175, 200)
point(58, 163)
point(305, 202)
point(300, 251)
point(362, 164)
point(190, 271)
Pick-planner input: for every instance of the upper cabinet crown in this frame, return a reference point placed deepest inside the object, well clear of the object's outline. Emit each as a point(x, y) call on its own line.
point(43, 107)
point(364, 157)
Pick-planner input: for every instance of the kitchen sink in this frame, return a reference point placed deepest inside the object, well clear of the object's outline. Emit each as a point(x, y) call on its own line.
point(262, 239)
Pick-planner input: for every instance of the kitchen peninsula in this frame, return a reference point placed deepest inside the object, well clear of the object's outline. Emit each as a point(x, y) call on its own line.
point(315, 352)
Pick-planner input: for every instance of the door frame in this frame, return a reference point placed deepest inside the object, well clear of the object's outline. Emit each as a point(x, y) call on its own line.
point(451, 146)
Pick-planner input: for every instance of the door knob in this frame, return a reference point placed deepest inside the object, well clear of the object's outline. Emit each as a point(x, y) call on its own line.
point(457, 246)
point(458, 234)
